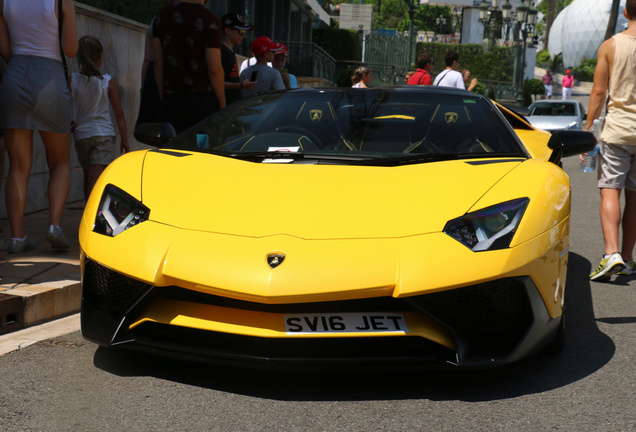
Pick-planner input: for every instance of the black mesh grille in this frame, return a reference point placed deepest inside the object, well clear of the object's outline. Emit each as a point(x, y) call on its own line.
point(496, 305)
point(109, 290)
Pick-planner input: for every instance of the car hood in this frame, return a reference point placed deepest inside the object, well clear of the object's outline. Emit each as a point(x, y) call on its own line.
point(216, 194)
point(552, 122)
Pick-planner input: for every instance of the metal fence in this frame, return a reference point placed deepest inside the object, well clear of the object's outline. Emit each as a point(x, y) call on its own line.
point(385, 49)
point(500, 91)
point(306, 59)
point(383, 74)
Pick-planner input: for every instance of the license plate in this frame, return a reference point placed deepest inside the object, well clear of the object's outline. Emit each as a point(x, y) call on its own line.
point(345, 323)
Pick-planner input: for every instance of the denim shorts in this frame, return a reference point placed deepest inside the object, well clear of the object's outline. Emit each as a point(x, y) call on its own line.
point(617, 167)
point(34, 95)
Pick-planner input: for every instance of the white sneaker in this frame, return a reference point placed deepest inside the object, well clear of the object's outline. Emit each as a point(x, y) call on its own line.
point(608, 266)
point(630, 268)
point(55, 236)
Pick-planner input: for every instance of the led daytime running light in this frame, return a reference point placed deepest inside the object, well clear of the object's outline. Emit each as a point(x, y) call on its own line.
point(488, 229)
point(118, 211)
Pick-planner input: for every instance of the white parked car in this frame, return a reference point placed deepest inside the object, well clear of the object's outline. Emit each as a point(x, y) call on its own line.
point(554, 115)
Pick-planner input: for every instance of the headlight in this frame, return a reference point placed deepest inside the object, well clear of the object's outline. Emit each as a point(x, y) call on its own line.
point(489, 229)
point(573, 126)
point(118, 211)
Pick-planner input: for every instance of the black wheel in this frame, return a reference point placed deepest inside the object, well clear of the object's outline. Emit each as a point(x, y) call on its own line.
point(312, 137)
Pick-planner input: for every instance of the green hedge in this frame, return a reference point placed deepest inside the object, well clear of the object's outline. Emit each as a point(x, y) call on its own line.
point(532, 87)
point(340, 44)
point(497, 65)
point(585, 72)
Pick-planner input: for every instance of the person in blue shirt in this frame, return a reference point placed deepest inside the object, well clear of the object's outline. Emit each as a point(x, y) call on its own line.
point(280, 59)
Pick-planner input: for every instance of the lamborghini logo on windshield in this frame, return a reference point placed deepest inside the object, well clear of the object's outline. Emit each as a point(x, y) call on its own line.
point(315, 115)
point(274, 260)
point(451, 118)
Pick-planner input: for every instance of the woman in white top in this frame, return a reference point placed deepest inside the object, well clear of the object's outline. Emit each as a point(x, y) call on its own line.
point(34, 96)
point(93, 93)
point(361, 77)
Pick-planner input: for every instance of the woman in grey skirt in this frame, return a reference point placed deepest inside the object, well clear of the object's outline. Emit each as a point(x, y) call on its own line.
point(34, 95)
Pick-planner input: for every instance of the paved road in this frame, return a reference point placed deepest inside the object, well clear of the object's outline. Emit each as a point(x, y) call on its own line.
point(68, 384)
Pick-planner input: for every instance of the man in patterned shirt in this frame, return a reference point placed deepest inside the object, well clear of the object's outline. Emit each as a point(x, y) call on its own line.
point(186, 40)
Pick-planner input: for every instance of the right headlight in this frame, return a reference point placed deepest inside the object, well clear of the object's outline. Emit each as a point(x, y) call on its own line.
point(491, 228)
point(118, 211)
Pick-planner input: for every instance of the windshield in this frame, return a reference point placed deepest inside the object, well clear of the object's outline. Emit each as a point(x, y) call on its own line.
point(561, 109)
point(355, 125)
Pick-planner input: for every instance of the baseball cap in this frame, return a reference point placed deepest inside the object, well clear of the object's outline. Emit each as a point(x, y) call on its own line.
point(279, 48)
point(261, 45)
point(234, 20)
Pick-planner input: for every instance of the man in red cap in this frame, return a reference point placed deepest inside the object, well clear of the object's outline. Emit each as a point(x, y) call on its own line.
point(567, 82)
point(280, 58)
point(234, 28)
point(267, 78)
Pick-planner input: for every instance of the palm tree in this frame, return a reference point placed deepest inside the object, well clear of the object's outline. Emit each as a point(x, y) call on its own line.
point(611, 25)
point(551, 15)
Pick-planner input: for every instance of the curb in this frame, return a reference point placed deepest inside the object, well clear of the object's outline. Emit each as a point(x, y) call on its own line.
point(42, 284)
point(35, 304)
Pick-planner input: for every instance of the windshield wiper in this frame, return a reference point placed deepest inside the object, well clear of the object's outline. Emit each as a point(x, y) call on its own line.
point(438, 157)
point(257, 156)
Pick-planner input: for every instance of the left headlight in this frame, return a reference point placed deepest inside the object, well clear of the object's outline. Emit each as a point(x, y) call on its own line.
point(573, 126)
point(491, 228)
point(118, 211)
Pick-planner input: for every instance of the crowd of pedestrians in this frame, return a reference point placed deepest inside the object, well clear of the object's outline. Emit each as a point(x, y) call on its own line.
point(189, 72)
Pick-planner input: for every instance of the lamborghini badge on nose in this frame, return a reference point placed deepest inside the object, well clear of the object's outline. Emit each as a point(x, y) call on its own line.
point(274, 260)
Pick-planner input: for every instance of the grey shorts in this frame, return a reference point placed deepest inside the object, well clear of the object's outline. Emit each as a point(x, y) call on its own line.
point(617, 167)
point(34, 95)
point(97, 150)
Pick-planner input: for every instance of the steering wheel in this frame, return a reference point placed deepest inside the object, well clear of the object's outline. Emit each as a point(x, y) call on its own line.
point(292, 128)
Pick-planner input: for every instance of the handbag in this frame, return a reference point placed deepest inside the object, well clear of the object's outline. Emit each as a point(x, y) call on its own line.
point(60, 19)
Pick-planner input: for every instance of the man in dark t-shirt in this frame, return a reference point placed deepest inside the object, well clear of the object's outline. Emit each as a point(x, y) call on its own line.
point(234, 28)
point(186, 41)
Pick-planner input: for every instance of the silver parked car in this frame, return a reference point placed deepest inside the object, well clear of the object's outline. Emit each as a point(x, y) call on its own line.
point(554, 115)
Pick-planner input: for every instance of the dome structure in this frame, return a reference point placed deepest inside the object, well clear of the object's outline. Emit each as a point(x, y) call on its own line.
point(579, 29)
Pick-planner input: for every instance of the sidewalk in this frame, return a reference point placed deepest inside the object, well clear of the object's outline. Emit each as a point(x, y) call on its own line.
point(580, 88)
point(42, 284)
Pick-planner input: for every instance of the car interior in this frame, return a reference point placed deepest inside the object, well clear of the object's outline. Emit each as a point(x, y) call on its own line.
point(355, 122)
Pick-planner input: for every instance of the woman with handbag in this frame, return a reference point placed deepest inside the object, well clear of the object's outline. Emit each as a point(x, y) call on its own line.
point(34, 96)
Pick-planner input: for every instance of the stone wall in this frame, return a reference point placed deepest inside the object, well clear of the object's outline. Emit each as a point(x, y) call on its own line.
point(123, 41)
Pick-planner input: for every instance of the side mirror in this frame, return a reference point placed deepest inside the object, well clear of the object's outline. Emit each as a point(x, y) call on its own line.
point(154, 134)
point(565, 143)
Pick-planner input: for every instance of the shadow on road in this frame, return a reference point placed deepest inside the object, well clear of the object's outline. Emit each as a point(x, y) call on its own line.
point(587, 350)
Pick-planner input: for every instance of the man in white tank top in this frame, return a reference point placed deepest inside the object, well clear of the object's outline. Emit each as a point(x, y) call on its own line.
point(617, 166)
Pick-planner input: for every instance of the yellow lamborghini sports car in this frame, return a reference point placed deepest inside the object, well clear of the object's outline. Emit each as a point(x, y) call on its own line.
point(413, 226)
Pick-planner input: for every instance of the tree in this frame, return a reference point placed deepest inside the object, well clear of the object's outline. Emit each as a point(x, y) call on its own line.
point(550, 9)
point(611, 25)
point(551, 5)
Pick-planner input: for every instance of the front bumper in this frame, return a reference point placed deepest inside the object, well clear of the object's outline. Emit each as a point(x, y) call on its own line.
point(483, 325)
